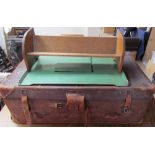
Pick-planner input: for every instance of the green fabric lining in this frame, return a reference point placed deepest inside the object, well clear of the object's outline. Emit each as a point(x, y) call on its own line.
point(60, 70)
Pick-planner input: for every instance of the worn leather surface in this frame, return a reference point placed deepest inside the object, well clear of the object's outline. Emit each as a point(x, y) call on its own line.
point(85, 105)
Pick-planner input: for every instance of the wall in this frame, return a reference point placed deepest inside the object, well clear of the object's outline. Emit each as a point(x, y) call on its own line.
point(60, 30)
point(86, 31)
point(94, 31)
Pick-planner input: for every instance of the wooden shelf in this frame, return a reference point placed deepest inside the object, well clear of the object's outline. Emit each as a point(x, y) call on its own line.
point(73, 54)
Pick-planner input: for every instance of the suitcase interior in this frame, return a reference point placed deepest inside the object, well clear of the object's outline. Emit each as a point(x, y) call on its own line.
point(64, 70)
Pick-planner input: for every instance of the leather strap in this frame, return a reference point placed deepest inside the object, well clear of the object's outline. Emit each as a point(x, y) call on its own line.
point(126, 107)
point(128, 101)
point(75, 102)
point(26, 110)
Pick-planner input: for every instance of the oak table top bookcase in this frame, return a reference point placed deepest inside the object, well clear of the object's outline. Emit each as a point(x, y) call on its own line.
point(106, 47)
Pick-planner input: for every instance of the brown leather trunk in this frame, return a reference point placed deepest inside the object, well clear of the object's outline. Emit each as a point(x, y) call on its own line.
point(79, 105)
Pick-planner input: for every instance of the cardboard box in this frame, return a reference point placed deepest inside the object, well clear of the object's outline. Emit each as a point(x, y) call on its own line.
point(109, 29)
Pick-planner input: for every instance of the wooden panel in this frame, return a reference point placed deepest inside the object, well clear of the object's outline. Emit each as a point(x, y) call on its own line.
point(63, 44)
point(73, 54)
point(120, 50)
point(120, 43)
point(27, 46)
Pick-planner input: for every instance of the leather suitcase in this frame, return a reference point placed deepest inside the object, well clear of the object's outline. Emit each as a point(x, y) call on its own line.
point(75, 103)
point(79, 105)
